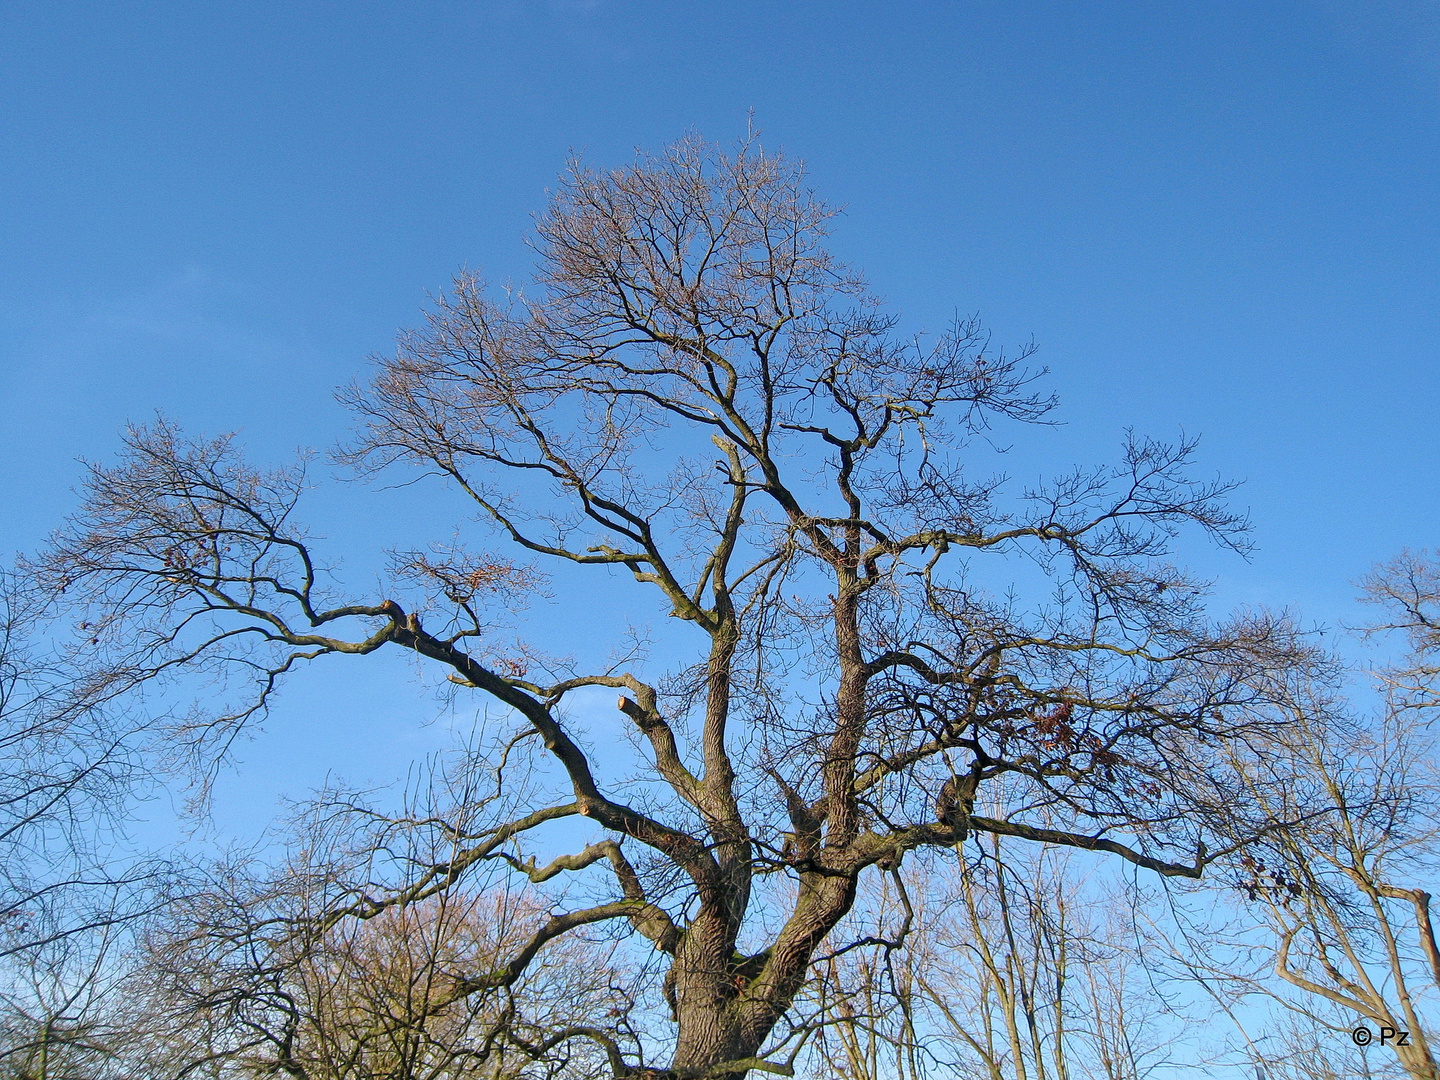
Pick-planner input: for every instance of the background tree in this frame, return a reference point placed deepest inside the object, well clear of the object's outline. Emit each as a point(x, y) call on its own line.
point(255, 967)
point(1407, 590)
point(1333, 924)
point(239, 981)
point(1004, 965)
point(71, 757)
point(59, 1015)
point(695, 393)
point(1345, 935)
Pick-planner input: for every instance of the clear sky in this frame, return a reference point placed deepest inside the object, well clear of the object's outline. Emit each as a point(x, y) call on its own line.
point(1219, 218)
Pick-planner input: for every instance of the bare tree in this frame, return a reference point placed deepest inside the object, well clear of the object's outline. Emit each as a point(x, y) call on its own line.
point(66, 764)
point(70, 887)
point(1009, 965)
point(1347, 944)
point(57, 998)
point(696, 394)
point(1407, 590)
point(240, 982)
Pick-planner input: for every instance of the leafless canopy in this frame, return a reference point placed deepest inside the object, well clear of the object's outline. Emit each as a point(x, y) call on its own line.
point(694, 392)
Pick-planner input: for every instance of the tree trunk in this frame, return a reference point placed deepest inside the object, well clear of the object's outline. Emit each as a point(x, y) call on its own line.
point(704, 982)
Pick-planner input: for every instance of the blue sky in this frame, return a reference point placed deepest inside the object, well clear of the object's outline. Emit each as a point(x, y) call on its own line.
point(1214, 218)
